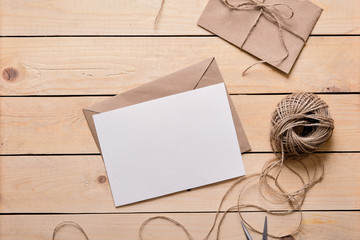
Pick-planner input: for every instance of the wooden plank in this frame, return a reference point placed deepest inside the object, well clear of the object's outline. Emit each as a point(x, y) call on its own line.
point(56, 125)
point(317, 225)
point(66, 66)
point(112, 17)
point(78, 184)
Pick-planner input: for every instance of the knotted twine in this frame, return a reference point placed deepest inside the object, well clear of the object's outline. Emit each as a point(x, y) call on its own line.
point(300, 124)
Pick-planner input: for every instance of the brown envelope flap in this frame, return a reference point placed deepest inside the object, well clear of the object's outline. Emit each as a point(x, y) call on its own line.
point(177, 82)
point(199, 75)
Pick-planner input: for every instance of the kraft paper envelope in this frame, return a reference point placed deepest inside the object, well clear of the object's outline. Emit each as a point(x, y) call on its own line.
point(262, 38)
point(169, 144)
point(200, 75)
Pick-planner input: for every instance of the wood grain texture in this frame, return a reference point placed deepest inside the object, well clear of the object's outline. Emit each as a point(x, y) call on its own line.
point(66, 66)
point(56, 125)
point(38, 187)
point(328, 225)
point(111, 17)
point(78, 184)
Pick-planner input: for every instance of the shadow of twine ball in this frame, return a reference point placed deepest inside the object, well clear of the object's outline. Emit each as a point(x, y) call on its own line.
point(300, 124)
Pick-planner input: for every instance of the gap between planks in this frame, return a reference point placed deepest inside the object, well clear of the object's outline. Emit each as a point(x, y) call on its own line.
point(232, 94)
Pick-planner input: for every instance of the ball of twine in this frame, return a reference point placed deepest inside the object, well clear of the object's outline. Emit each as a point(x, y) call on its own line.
point(300, 124)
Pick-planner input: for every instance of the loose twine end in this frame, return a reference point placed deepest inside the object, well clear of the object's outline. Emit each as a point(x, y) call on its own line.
point(252, 65)
point(159, 13)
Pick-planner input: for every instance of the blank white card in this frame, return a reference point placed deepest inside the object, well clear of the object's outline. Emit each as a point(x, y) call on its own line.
point(169, 144)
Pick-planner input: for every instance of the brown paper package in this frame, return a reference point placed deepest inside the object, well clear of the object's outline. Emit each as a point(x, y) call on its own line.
point(203, 74)
point(263, 41)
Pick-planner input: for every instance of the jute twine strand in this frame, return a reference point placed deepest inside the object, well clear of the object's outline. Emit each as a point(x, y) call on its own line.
point(300, 124)
point(159, 13)
point(68, 223)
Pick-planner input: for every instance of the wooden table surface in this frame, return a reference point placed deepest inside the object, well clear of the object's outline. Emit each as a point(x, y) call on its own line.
point(59, 56)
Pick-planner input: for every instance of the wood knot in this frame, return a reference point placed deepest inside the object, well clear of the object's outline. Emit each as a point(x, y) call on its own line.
point(101, 179)
point(10, 74)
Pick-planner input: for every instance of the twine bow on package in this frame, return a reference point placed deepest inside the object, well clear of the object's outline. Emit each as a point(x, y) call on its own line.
point(273, 30)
